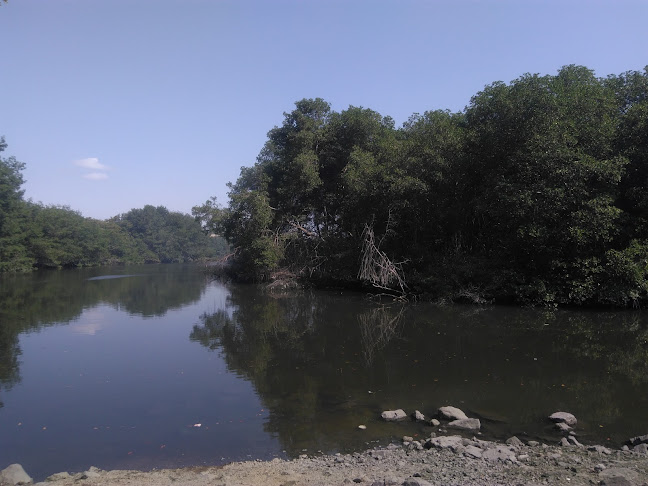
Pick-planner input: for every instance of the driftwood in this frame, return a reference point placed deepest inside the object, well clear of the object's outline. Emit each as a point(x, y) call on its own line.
point(376, 267)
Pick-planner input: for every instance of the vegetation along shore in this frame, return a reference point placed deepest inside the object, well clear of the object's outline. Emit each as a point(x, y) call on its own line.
point(535, 193)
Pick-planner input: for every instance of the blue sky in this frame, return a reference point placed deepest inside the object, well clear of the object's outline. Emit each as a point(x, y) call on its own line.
point(114, 104)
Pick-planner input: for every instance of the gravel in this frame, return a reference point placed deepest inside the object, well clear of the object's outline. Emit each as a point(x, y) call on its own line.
point(460, 461)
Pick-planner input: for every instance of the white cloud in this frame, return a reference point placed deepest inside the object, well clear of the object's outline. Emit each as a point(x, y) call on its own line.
point(95, 176)
point(90, 163)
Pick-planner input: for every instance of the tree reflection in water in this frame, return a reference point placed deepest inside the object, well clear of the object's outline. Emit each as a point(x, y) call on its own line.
point(29, 302)
point(323, 363)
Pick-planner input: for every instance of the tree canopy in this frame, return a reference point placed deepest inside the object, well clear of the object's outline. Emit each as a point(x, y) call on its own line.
point(33, 235)
point(537, 193)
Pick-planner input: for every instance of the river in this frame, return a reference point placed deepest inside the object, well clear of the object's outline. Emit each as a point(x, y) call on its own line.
point(155, 366)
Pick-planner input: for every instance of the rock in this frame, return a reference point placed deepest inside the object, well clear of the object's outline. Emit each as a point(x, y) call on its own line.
point(600, 449)
point(499, 453)
point(523, 457)
point(472, 451)
point(471, 424)
point(641, 439)
point(515, 442)
point(452, 413)
point(58, 476)
point(564, 442)
point(362, 427)
point(562, 426)
point(533, 443)
point(14, 474)
point(407, 438)
point(599, 467)
point(416, 482)
point(447, 442)
point(418, 416)
point(572, 440)
point(618, 476)
point(641, 449)
point(391, 415)
point(563, 417)
point(435, 423)
point(91, 473)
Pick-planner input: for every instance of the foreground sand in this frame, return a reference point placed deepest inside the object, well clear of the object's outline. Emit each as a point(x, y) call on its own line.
point(463, 462)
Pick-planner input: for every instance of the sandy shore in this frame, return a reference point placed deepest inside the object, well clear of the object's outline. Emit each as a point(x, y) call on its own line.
point(450, 460)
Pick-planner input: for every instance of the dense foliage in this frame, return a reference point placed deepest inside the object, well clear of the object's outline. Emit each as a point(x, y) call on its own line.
point(537, 192)
point(33, 235)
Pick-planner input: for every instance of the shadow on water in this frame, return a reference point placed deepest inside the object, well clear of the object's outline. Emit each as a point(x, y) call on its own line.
point(324, 364)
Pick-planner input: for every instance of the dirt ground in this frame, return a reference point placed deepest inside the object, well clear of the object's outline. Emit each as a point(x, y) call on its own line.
point(460, 461)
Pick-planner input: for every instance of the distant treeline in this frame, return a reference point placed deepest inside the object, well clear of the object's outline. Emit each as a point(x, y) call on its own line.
point(36, 236)
point(536, 193)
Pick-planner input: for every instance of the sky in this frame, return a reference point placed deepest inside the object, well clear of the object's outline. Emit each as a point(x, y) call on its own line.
point(115, 104)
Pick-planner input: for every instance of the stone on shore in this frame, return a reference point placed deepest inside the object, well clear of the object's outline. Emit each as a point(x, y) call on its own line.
point(640, 449)
point(391, 415)
point(434, 422)
point(452, 413)
point(600, 449)
point(471, 424)
point(514, 442)
point(563, 417)
point(58, 476)
point(447, 442)
point(473, 451)
point(641, 439)
point(618, 476)
point(416, 482)
point(418, 416)
point(499, 453)
point(13, 475)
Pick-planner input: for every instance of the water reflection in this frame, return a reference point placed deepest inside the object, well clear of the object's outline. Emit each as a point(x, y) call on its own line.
point(47, 298)
point(323, 364)
point(266, 372)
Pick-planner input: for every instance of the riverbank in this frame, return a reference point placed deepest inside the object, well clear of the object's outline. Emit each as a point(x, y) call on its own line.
point(447, 460)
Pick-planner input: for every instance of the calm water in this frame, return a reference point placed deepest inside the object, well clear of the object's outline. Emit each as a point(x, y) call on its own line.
point(116, 367)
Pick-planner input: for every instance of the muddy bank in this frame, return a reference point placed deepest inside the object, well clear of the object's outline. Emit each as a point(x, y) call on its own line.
point(447, 460)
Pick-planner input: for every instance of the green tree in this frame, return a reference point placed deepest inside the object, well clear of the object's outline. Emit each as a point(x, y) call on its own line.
point(13, 255)
point(544, 182)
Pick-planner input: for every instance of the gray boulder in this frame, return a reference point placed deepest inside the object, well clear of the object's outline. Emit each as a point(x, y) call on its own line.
point(499, 453)
point(471, 424)
point(58, 476)
point(641, 439)
point(447, 442)
point(391, 415)
point(452, 413)
point(14, 474)
point(562, 426)
point(434, 422)
point(473, 451)
point(514, 442)
point(572, 440)
point(618, 476)
point(416, 482)
point(418, 416)
point(563, 417)
point(600, 449)
point(640, 448)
